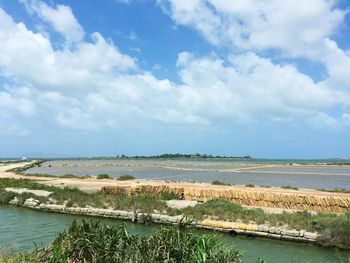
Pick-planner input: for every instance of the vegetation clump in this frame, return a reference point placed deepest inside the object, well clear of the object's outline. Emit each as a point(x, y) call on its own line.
point(290, 187)
point(216, 182)
point(250, 185)
point(103, 176)
point(125, 177)
point(169, 196)
point(5, 196)
point(336, 190)
point(97, 242)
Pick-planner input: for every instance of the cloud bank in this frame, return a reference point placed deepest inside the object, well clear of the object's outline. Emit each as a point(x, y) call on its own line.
point(89, 84)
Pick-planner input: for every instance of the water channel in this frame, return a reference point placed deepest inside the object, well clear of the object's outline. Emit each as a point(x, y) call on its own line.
point(21, 229)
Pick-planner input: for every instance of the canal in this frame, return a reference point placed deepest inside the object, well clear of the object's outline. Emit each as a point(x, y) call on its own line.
point(22, 229)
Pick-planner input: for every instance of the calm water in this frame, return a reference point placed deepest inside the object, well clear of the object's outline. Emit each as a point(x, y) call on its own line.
point(20, 228)
point(329, 177)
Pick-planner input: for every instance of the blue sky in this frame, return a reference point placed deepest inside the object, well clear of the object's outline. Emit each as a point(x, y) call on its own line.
point(92, 78)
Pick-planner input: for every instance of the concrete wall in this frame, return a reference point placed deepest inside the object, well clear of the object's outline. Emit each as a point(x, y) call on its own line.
point(233, 228)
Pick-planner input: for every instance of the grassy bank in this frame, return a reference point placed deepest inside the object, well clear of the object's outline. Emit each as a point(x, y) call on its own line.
point(96, 242)
point(334, 229)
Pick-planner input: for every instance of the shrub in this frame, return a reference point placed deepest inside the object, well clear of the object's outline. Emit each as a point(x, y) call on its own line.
point(169, 196)
point(336, 234)
point(96, 242)
point(5, 196)
point(290, 187)
point(69, 203)
point(250, 185)
point(125, 177)
point(103, 176)
point(216, 182)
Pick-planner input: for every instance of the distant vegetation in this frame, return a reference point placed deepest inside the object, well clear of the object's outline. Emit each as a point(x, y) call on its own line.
point(290, 187)
point(339, 163)
point(250, 185)
point(179, 155)
point(103, 176)
point(216, 182)
point(336, 190)
point(125, 177)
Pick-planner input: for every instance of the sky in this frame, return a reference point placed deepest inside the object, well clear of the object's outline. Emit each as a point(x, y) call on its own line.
point(265, 78)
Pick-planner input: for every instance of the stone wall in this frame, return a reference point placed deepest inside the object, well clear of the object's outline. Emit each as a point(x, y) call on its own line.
point(233, 228)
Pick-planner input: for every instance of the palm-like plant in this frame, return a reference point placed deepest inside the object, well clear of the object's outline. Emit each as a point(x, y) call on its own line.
point(95, 242)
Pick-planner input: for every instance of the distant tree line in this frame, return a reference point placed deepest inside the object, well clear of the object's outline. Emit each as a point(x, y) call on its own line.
point(180, 155)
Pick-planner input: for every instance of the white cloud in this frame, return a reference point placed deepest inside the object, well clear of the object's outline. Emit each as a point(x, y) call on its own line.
point(296, 28)
point(250, 88)
point(29, 57)
point(60, 17)
point(95, 86)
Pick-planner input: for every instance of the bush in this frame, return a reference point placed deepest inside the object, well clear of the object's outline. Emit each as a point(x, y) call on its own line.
point(169, 196)
point(336, 234)
point(290, 187)
point(103, 176)
point(125, 177)
point(5, 196)
point(69, 203)
point(96, 242)
point(250, 185)
point(216, 182)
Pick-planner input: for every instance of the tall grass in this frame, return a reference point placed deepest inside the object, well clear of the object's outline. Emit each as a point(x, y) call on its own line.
point(96, 242)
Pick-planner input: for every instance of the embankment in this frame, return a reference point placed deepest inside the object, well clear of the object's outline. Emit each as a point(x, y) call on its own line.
point(233, 228)
point(289, 199)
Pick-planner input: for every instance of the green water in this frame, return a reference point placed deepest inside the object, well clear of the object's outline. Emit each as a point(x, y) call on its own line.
point(21, 229)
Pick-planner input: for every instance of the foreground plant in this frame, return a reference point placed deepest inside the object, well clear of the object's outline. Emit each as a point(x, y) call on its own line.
point(96, 242)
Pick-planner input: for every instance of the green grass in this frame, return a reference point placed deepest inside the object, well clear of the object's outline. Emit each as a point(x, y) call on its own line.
point(19, 258)
point(125, 177)
point(169, 196)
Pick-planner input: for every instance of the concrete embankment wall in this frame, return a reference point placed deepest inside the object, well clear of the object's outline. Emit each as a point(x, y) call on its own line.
point(325, 202)
point(233, 228)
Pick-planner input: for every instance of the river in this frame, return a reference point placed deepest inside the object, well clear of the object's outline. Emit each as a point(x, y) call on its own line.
point(21, 229)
